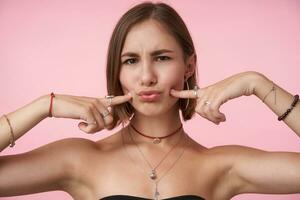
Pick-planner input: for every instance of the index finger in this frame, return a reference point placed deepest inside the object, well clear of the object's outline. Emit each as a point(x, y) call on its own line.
point(185, 94)
point(117, 100)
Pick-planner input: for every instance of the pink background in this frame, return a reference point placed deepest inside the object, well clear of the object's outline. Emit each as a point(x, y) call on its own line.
point(60, 46)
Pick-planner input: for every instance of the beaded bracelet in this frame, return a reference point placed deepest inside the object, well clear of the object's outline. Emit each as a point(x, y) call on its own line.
point(12, 136)
point(283, 116)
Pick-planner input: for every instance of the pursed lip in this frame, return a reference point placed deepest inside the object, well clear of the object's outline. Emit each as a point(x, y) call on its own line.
point(149, 96)
point(150, 92)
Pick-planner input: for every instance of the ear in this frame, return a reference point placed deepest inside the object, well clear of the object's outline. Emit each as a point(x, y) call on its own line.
point(190, 66)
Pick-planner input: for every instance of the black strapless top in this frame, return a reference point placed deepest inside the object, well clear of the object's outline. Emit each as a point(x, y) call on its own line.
point(128, 197)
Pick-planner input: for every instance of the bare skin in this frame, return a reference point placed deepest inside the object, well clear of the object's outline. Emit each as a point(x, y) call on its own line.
point(215, 174)
point(92, 170)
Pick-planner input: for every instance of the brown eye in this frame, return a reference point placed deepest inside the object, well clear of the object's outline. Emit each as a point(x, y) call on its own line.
point(162, 58)
point(129, 61)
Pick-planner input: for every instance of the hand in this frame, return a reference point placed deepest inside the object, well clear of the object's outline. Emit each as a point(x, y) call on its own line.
point(219, 93)
point(95, 111)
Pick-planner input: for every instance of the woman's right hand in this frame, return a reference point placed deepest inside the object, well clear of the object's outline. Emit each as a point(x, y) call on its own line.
point(96, 112)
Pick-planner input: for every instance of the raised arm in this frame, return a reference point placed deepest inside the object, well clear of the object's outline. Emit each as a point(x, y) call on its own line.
point(263, 90)
point(251, 170)
point(92, 110)
point(53, 166)
point(209, 99)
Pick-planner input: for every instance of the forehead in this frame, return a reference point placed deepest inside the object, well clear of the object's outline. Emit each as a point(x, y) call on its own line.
point(149, 35)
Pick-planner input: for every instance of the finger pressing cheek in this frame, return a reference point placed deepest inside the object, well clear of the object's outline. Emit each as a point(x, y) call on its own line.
point(108, 120)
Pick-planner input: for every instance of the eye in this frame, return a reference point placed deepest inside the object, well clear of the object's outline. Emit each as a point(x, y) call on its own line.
point(162, 58)
point(130, 61)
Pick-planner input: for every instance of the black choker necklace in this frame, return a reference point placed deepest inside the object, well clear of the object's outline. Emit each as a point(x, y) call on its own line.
point(156, 140)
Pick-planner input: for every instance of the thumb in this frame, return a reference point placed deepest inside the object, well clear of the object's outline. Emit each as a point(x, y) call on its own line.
point(87, 127)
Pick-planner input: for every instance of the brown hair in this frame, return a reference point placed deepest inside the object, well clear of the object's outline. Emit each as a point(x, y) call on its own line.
point(170, 19)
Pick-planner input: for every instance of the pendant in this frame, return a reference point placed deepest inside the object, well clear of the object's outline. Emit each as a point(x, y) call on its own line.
point(156, 193)
point(156, 140)
point(153, 174)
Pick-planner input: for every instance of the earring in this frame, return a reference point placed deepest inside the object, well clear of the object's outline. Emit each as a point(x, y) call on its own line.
point(188, 100)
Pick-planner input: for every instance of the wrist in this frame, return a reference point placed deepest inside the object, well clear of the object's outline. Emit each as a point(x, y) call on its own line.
point(43, 103)
point(250, 81)
point(259, 84)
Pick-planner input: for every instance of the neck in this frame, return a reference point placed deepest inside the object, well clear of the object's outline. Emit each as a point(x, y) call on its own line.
point(156, 126)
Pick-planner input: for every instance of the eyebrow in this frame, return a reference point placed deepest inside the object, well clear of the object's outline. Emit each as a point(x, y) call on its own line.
point(154, 53)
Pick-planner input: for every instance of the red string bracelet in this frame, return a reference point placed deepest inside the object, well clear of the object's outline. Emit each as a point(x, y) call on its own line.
point(51, 102)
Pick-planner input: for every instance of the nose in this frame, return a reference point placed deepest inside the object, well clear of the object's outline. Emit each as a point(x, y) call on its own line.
point(148, 75)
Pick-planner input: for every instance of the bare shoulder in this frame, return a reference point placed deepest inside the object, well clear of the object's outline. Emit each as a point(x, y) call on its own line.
point(224, 154)
point(67, 147)
point(83, 144)
point(54, 165)
point(67, 151)
point(70, 142)
point(79, 147)
point(70, 154)
point(252, 170)
point(225, 159)
point(223, 151)
point(228, 155)
point(78, 151)
point(74, 155)
point(233, 151)
point(232, 148)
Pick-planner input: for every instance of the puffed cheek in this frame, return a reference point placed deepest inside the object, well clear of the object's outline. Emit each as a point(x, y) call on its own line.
point(124, 84)
point(125, 91)
point(127, 87)
point(177, 86)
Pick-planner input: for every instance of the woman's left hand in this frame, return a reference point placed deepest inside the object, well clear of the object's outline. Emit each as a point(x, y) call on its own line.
point(210, 98)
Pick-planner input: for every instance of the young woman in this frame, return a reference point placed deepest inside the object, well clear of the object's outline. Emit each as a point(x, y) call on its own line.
point(151, 79)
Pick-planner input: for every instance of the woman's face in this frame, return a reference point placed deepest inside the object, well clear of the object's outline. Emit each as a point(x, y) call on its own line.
point(152, 64)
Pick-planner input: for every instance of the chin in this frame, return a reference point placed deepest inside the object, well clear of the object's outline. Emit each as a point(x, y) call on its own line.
point(154, 109)
point(149, 112)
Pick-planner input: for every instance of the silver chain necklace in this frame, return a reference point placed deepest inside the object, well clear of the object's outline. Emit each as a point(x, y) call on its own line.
point(153, 174)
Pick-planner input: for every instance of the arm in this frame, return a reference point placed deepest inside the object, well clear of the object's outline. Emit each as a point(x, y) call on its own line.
point(23, 119)
point(209, 99)
point(43, 169)
point(58, 165)
point(262, 85)
point(251, 170)
point(257, 171)
point(51, 167)
point(65, 106)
